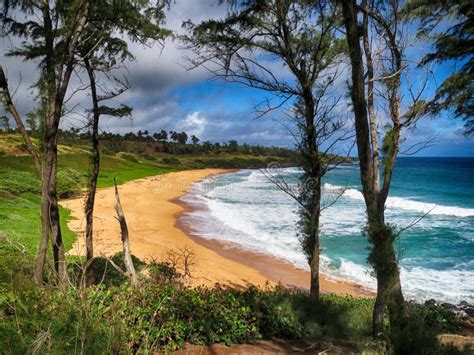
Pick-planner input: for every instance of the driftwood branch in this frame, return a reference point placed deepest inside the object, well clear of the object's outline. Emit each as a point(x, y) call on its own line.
point(10, 107)
point(127, 256)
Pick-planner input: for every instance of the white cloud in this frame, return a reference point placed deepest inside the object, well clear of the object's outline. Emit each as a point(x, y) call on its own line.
point(194, 124)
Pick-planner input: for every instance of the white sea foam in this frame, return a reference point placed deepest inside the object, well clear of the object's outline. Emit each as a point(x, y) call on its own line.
point(407, 204)
point(418, 283)
point(248, 210)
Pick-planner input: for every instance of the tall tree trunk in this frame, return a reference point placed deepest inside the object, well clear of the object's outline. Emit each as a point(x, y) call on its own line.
point(358, 99)
point(382, 256)
point(50, 219)
point(127, 255)
point(89, 208)
point(56, 233)
point(50, 210)
point(314, 264)
point(370, 103)
point(57, 81)
point(43, 244)
point(312, 168)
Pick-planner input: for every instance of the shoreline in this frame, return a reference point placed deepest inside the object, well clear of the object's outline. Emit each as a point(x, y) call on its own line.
point(152, 207)
point(275, 269)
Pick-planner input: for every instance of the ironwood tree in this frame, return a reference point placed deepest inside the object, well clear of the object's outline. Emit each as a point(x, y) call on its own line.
point(247, 48)
point(376, 47)
point(449, 26)
point(50, 36)
point(103, 53)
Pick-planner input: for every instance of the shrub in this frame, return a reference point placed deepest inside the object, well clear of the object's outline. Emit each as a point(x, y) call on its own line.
point(170, 161)
point(17, 182)
point(129, 157)
point(104, 272)
point(163, 273)
point(149, 157)
point(424, 322)
point(108, 151)
point(70, 182)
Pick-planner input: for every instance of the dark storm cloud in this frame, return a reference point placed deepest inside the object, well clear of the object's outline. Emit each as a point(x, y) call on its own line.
point(165, 95)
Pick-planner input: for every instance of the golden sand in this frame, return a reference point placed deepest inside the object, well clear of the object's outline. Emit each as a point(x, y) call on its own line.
point(151, 209)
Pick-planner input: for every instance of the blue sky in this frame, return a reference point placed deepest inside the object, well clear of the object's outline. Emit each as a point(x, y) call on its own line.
point(165, 95)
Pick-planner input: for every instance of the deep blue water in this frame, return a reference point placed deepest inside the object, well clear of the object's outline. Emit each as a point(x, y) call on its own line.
point(436, 254)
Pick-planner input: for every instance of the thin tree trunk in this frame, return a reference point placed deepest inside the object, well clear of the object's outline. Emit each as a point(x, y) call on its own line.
point(315, 257)
point(19, 122)
point(56, 232)
point(313, 191)
point(358, 99)
point(53, 221)
point(43, 244)
point(89, 208)
point(370, 104)
point(50, 219)
point(127, 256)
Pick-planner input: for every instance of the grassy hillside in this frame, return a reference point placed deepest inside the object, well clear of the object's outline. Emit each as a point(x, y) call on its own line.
point(20, 187)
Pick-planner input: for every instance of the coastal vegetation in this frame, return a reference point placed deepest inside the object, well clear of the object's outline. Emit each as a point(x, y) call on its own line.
point(114, 317)
point(53, 302)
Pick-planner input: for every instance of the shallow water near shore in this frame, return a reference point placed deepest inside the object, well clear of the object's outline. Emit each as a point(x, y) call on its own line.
point(436, 254)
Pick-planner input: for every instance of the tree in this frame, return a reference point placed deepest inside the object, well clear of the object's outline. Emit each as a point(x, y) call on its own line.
point(161, 136)
point(233, 145)
point(103, 52)
point(8, 103)
point(50, 36)
point(182, 138)
point(5, 123)
point(207, 145)
point(376, 72)
point(194, 139)
point(174, 136)
point(301, 36)
point(454, 44)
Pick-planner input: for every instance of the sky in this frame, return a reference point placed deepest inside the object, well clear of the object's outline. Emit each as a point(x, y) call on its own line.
point(165, 94)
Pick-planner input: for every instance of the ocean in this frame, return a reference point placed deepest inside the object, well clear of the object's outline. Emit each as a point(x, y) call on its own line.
point(436, 254)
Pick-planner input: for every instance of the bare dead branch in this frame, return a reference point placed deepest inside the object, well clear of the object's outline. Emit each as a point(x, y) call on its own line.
point(125, 238)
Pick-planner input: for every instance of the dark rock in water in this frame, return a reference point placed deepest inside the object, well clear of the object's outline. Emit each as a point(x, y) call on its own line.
point(469, 311)
point(449, 305)
point(465, 304)
point(431, 302)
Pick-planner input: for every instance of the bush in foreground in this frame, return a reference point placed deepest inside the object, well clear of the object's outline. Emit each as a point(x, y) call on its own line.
point(161, 314)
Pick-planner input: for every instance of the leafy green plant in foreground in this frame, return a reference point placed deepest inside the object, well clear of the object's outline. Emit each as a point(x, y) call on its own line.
point(115, 318)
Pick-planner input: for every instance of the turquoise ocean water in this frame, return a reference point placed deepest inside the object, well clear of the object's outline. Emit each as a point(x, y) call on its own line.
point(436, 254)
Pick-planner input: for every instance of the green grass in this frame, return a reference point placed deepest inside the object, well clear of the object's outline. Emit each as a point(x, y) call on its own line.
point(110, 167)
point(20, 187)
point(20, 191)
point(20, 221)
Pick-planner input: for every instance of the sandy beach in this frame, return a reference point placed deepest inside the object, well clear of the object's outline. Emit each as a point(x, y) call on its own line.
point(152, 209)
